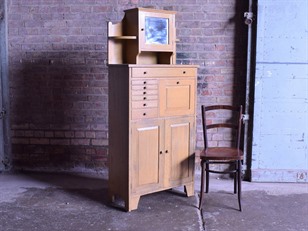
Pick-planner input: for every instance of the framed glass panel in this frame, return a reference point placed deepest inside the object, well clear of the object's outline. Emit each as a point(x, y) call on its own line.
point(156, 30)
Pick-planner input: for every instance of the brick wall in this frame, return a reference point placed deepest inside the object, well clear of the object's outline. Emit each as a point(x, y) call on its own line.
point(58, 73)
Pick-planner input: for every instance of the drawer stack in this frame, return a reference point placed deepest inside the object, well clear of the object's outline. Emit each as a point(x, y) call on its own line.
point(144, 98)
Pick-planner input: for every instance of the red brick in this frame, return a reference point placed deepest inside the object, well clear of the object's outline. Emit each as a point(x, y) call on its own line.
point(80, 141)
point(58, 72)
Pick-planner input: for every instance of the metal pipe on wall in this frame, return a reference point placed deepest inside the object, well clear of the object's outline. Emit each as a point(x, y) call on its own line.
point(248, 21)
point(5, 143)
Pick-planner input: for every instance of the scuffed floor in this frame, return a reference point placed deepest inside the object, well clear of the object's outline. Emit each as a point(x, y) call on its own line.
point(41, 201)
point(69, 203)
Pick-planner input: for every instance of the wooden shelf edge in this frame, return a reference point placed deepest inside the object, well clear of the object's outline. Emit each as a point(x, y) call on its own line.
point(122, 37)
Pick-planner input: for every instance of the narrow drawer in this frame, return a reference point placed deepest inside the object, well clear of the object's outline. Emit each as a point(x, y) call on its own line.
point(164, 72)
point(144, 97)
point(144, 82)
point(144, 87)
point(144, 113)
point(144, 104)
point(144, 92)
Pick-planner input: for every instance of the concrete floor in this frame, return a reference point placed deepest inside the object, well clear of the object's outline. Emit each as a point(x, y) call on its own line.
point(42, 201)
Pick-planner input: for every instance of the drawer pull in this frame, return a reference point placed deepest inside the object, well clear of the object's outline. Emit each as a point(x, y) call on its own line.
point(144, 88)
point(144, 82)
point(144, 92)
point(177, 82)
point(161, 152)
point(144, 104)
point(144, 114)
point(166, 151)
point(184, 72)
point(144, 98)
point(144, 72)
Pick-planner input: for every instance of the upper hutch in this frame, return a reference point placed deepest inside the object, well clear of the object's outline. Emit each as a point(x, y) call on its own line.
point(144, 36)
point(152, 108)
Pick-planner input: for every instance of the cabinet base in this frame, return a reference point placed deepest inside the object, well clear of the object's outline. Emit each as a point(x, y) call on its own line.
point(131, 203)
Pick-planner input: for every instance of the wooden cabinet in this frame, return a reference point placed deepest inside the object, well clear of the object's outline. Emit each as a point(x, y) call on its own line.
point(152, 108)
point(151, 130)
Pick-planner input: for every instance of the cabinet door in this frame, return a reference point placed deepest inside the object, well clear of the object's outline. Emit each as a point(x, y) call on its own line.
point(157, 31)
point(177, 97)
point(146, 157)
point(179, 145)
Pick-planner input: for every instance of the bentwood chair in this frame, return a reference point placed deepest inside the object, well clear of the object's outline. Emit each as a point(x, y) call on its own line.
point(222, 154)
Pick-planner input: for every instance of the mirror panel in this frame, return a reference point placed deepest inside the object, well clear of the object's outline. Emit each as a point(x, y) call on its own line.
point(156, 30)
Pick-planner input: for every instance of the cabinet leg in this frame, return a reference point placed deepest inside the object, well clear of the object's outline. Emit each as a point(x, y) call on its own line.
point(111, 197)
point(132, 203)
point(189, 189)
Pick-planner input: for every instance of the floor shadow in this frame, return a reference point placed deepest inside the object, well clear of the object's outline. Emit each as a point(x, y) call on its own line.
point(87, 186)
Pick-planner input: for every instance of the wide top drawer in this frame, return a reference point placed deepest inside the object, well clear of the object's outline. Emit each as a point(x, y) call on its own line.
point(164, 72)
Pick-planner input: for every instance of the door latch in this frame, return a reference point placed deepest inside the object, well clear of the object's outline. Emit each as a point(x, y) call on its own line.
point(245, 118)
point(2, 113)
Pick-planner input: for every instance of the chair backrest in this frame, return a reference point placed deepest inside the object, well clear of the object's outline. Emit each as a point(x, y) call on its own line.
point(234, 121)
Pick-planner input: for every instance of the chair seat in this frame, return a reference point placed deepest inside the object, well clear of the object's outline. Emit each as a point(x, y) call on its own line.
point(221, 153)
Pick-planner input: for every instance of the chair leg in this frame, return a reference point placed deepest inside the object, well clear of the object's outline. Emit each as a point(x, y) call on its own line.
point(207, 167)
point(239, 184)
point(235, 178)
point(202, 185)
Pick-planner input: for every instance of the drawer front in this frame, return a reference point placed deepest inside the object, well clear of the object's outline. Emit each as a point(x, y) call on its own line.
point(144, 82)
point(144, 113)
point(144, 92)
point(144, 87)
point(144, 104)
point(144, 97)
point(164, 72)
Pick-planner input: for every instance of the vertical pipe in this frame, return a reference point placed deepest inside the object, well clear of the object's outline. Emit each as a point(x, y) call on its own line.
point(247, 95)
point(5, 143)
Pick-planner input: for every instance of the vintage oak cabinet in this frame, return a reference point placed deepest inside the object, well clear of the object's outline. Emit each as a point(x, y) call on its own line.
point(152, 109)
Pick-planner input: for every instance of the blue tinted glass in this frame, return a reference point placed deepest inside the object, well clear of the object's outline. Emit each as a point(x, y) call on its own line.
point(156, 30)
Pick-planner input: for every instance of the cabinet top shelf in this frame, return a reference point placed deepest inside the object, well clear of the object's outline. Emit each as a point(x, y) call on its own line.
point(142, 9)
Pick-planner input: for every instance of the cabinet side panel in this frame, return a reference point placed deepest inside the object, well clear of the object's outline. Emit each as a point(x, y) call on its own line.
point(118, 130)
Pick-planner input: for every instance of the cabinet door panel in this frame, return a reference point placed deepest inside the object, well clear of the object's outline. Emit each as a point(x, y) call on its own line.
point(177, 97)
point(180, 147)
point(146, 158)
